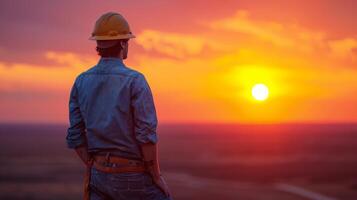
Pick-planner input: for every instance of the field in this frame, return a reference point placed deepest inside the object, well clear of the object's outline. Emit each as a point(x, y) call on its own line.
point(199, 161)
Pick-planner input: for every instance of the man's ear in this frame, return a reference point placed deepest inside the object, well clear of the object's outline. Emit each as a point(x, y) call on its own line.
point(122, 44)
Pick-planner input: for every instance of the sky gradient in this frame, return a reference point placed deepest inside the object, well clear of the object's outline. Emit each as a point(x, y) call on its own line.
point(201, 58)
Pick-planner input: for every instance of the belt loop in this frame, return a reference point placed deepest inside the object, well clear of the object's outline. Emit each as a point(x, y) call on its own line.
point(107, 157)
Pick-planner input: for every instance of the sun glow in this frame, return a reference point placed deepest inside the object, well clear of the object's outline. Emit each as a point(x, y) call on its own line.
point(260, 92)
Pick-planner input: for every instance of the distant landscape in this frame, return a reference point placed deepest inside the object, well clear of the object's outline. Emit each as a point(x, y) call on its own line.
point(199, 161)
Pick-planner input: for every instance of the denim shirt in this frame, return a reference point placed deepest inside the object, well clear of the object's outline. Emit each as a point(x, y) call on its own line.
point(111, 108)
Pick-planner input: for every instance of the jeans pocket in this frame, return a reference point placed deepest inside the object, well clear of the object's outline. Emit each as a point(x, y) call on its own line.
point(136, 183)
point(128, 182)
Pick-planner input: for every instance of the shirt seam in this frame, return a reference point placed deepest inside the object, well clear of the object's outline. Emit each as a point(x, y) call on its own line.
point(127, 75)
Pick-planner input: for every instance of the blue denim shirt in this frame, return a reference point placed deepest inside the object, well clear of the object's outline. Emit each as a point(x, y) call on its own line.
point(111, 108)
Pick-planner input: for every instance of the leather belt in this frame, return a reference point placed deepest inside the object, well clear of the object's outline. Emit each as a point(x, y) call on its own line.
point(116, 164)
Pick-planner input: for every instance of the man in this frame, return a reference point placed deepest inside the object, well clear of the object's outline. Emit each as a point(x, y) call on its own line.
point(113, 122)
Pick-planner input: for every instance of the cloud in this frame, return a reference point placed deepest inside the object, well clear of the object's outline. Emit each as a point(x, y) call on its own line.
point(37, 77)
point(283, 35)
point(299, 40)
point(70, 59)
point(215, 35)
point(344, 48)
point(175, 44)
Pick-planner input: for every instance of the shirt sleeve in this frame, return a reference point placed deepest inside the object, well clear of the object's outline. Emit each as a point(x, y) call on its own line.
point(145, 119)
point(76, 132)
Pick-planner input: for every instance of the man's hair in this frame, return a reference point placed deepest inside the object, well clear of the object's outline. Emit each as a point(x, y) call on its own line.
point(111, 51)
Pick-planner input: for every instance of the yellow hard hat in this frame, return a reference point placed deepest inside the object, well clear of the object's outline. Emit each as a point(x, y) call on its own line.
point(111, 26)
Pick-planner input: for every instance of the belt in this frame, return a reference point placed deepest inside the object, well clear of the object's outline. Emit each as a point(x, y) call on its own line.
point(116, 164)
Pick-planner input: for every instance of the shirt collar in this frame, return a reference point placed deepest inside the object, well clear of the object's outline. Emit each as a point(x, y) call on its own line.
point(111, 60)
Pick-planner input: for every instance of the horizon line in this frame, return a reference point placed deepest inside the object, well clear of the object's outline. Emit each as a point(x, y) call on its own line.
point(197, 123)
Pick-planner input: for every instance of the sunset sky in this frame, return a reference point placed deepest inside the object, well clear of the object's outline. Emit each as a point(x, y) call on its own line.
point(201, 58)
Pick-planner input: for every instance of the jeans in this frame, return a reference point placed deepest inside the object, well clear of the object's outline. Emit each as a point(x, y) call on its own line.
point(124, 186)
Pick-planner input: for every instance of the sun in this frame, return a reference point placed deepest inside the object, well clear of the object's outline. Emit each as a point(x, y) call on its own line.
point(260, 92)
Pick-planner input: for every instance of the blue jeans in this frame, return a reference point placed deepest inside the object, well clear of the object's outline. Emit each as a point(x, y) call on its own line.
point(124, 186)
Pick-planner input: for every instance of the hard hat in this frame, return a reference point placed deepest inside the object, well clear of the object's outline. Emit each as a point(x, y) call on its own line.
point(111, 26)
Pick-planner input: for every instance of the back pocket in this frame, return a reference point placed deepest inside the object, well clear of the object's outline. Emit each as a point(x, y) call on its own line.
point(128, 182)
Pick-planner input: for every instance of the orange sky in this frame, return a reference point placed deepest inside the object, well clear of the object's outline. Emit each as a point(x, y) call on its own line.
point(201, 59)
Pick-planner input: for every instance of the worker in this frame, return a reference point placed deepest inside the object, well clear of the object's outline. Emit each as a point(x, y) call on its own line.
point(113, 122)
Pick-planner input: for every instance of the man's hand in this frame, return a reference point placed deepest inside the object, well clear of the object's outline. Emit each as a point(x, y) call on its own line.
point(150, 155)
point(82, 152)
point(161, 183)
